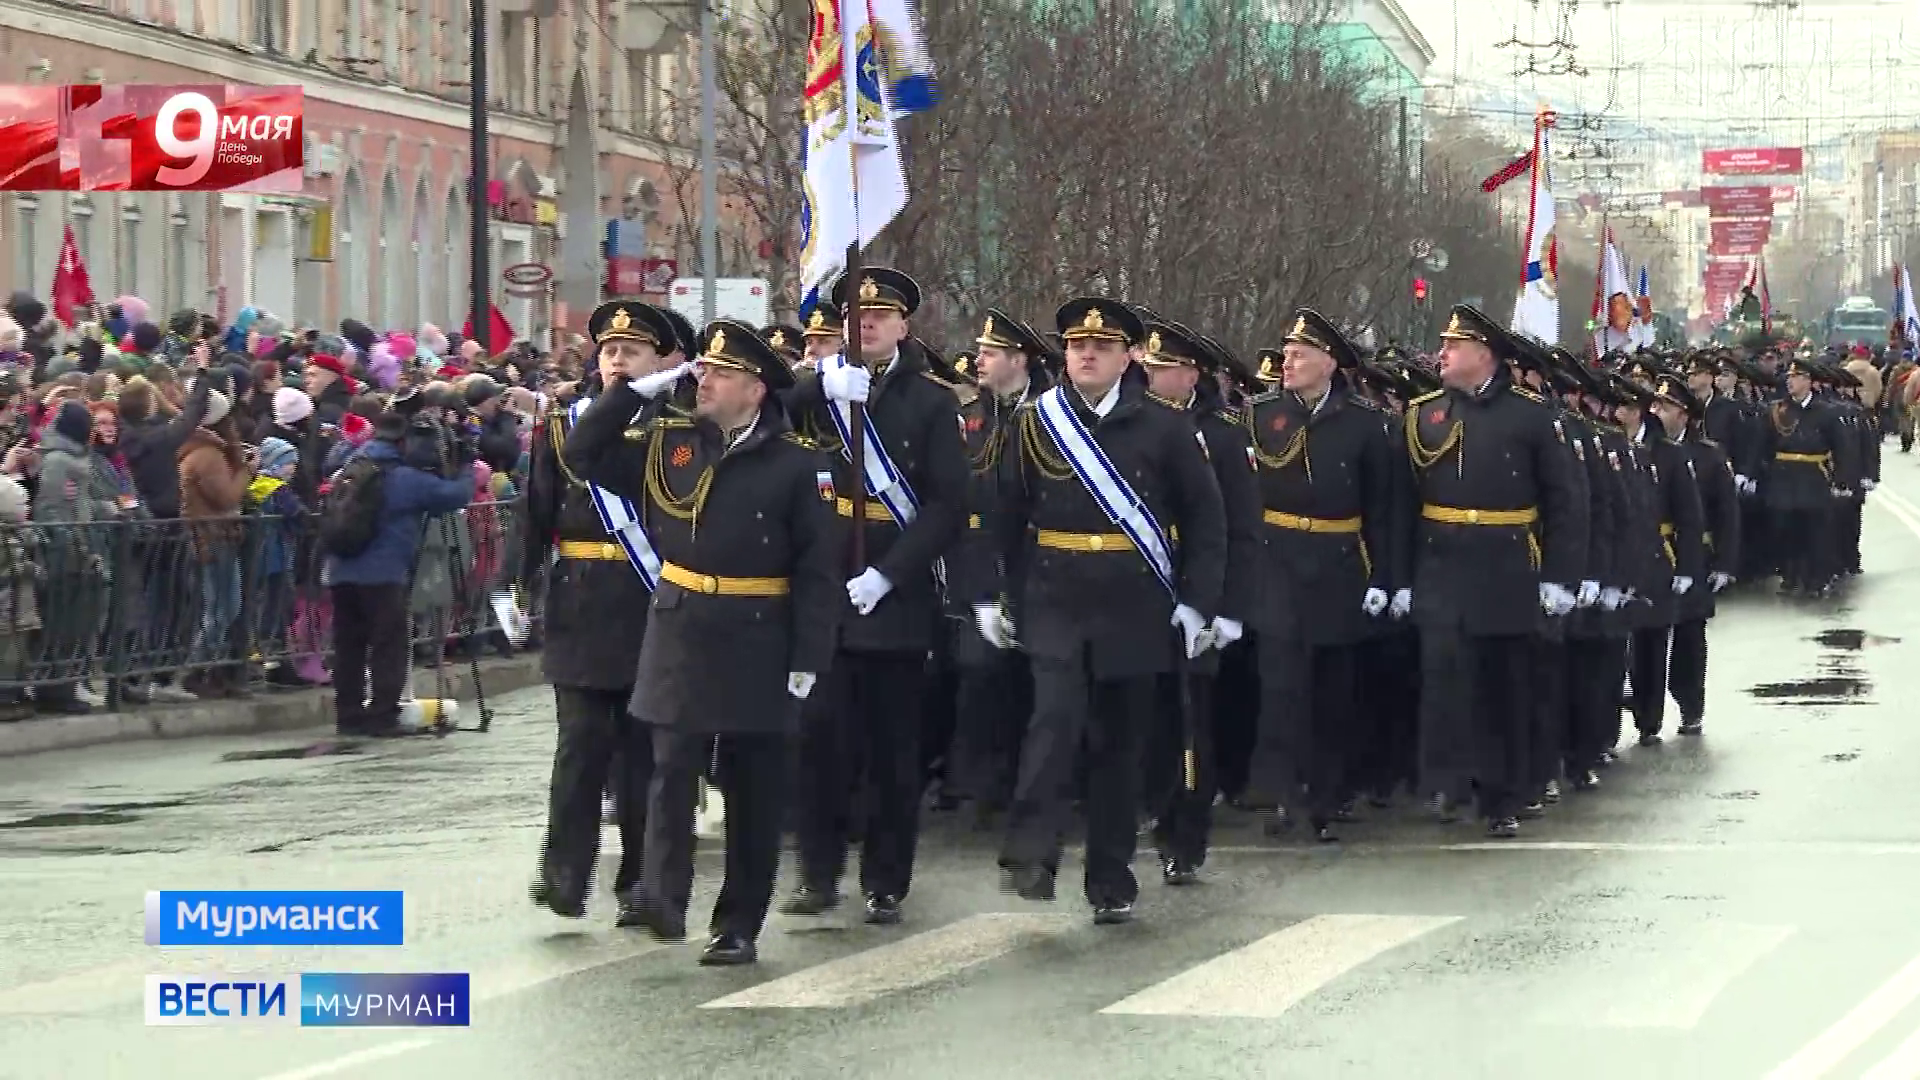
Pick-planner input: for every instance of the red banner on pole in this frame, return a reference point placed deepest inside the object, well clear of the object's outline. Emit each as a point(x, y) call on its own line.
point(71, 285)
point(1761, 161)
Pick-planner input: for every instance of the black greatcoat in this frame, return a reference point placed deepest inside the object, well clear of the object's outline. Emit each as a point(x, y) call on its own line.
point(1330, 465)
point(973, 566)
point(1815, 429)
point(1224, 436)
point(1676, 504)
point(719, 664)
point(1611, 517)
point(596, 610)
point(1494, 449)
point(1720, 514)
point(916, 416)
point(1109, 601)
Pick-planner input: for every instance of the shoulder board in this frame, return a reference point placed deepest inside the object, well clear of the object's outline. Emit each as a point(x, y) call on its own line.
point(938, 381)
point(799, 440)
point(1359, 402)
point(1528, 394)
point(1165, 404)
point(1426, 397)
point(1265, 396)
point(674, 421)
point(1233, 416)
point(1704, 441)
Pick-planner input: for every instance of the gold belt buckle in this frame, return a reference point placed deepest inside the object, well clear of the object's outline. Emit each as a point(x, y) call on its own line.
point(1473, 517)
point(709, 584)
point(1095, 542)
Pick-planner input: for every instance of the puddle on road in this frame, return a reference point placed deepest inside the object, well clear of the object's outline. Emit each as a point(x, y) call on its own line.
point(1851, 640)
point(107, 814)
point(1850, 756)
point(1829, 690)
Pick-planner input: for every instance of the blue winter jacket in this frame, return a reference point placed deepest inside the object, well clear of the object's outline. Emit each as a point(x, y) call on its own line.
point(410, 495)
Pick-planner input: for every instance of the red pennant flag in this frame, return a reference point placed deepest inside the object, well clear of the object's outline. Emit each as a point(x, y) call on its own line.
point(71, 288)
point(1507, 173)
point(499, 331)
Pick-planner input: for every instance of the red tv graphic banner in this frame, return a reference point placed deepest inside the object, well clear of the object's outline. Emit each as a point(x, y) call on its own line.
point(217, 137)
point(1764, 161)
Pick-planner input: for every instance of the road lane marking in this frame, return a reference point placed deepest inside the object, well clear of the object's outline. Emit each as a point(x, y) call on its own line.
point(919, 960)
point(1899, 507)
point(1665, 979)
point(1902, 1064)
point(1852, 1031)
point(1839, 847)
point(354, 1060)
point(1263, 980)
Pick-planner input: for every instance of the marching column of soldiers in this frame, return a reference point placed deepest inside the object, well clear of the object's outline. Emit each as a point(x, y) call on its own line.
point(1149, 578)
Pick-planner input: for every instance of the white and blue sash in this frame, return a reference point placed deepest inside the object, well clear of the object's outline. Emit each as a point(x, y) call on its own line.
point(622, 521)
point(884, 482)
point(1105, 483)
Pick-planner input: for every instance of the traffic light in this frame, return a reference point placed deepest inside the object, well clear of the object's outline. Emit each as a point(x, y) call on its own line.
point(1420, 292)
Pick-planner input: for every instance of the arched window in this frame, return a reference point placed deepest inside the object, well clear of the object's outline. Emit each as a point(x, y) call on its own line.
point(355, 247)
point(132, 224)
point(395, 272)
point(456, 225)
point(422, 255)
point(26, 259)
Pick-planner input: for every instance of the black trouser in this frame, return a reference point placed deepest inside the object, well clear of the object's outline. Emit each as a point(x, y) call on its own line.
point(1759, 541)
point(369, 653)
point(752, 773)
point(1071, 705)
point(598, 745)
point(1649, 675)
point(1494, 683)
point(1687, 671)
point(1848, 551)
point(1551, 721)
point(992, 703)
point(1236, 713)
point(1595, 668)
point(1803, 539)
point(1181, 797)
point(1384, 743)
point(870, 714)
point(1309, 697)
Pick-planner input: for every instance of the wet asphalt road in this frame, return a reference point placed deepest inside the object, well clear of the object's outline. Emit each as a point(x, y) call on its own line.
point(1738, 906)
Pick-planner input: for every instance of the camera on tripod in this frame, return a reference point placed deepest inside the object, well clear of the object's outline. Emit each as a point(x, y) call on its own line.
point(440, 436)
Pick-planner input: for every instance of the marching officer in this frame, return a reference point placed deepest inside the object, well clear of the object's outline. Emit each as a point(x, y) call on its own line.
point(598, 591)
point(995, 691)
point(870, 709)
point(738, 509)
point(1676, 506)
point(1324, 468)
point(1684, 417)
point(1803, 456)
point(1111, 527)
point(1183, 374)
point(787, 341)
point(1501, 540)
point(823, 336)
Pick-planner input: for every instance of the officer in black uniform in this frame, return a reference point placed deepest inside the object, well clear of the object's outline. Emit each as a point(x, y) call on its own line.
point(1501, 540)
point(1183, 369)
point(1684, 417)
point(1324, 466)
point(1099, 616)
point(870, 708)
point(596, 616)
point(825, 334)
point(995, 692)
point(739, 510)
point(787, 341)
point(1804, 456)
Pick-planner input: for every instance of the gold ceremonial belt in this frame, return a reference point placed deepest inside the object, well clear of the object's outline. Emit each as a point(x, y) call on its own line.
point(1083, 542)
point(1312, 525)
point(1666, 528)
point(591, 549)
point(723, 586)
point(1453, 515)
point(1805, 459)
point(876, 510)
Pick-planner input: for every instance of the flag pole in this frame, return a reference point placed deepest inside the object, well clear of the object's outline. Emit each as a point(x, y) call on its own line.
point(850, 319)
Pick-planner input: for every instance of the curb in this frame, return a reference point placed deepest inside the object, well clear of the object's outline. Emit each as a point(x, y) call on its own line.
point(266, 711)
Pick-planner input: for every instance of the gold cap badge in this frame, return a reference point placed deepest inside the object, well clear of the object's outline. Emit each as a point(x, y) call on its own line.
point(718, 346)
point(868, 290)
point(620, 321)
point(1153, 342)
point(1453, 326)
point(988, 330)
point(1300, 327)
point(816, 320)
point(1094, 320)
point(778, 340)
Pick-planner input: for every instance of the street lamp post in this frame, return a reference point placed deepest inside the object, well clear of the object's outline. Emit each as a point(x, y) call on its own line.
point(479, 258)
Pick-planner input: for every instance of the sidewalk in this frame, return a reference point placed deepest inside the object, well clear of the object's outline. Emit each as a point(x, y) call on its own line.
point(267, 711)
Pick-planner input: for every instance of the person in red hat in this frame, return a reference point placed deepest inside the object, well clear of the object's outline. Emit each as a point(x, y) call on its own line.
point(330, 385)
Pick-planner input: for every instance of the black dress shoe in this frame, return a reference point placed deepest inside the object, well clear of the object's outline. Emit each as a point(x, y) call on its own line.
point(1112, 914)
point(1552, 794)
point(1178, 872)
point(566, 903)
point(809, 901)
point(1533, 811)
point(1607, 757)
point(1028, 882)
point(1590, 781)
point(728, 950)
point(667, 927)
point(1649, 739)
point(1505, 828)
point(1325, 835)
point(883, 909)
point(1690, 727)
point(1276, 822)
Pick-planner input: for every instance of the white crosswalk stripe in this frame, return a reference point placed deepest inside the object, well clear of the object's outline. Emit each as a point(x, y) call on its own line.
point(1852, 1031)
point(919, 960)
point(1270, 976)
point(1662, 977)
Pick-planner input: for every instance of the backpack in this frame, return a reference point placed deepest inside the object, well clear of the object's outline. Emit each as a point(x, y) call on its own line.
point(350, 509)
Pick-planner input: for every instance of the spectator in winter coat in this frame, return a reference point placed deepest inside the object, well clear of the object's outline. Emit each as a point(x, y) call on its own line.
point(150, 439)
point(213, 484)
point(19, 608)
point(63, 505)
point(370, 588)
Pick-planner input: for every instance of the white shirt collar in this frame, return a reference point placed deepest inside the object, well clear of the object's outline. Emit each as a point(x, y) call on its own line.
point(744, 432)
point(1803, 400)
point(1482, 388)
point(1105, 405)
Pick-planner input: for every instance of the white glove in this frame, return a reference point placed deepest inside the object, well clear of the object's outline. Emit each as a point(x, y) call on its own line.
point(1555, 600)
point(993, 626)
point(1588, 594)
point(650, 386)
point(1612, 599)
point(1402, 604)
point(1842, 493)
point(847, 382)
point(1719, 579)
point(800, 683)
point(1681, 584)
point(1226, 631)
point(1193, 630)
point(1374, 602)
point(1742, 483)
point(1867, 486)
point(867, 590)
point(1753, 486)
